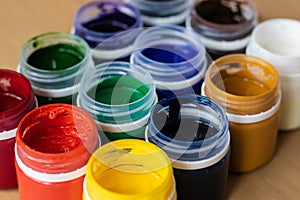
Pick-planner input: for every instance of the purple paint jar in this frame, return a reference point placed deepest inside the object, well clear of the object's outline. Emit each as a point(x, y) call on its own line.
point(109, 27)
point(175, 58)
point(193, 131)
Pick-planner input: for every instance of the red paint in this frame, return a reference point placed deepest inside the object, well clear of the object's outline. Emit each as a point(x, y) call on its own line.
point(54, 139)
point(16, 99)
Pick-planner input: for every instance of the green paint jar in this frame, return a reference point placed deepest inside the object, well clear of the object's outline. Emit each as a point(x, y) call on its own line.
point(119, 96)
point(54, 63)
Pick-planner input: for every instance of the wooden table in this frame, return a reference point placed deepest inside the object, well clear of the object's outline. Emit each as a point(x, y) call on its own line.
point(23, 19)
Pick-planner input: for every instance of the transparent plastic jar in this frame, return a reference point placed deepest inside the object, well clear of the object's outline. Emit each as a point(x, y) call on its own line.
point(55, 84)
point(119, 96)
point(53, 145)
point(220, 36)
point(109, 27)
point(248, 89)
point(277, 41)
point(163, 12)
point(175, 58)
point(17, 99)
point(129, 169)
point(193, 131)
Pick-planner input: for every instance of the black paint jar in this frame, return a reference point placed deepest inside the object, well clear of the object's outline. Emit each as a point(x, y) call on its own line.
point(193, 131)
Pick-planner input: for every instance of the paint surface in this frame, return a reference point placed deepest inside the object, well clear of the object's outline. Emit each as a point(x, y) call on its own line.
point(9, 101)
point(53, 131)
point(168, 53)
point(55, 57)
point(118, 90)
point(110, 23)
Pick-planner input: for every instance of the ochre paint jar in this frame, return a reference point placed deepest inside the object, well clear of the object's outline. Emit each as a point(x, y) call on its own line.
point(53, 145)
point(248, 89)
point(277, 41)
point(129, 169)
point(16, 100)
point(193, 131)
point(225, 26)
point(54, 63)
point(119, 96)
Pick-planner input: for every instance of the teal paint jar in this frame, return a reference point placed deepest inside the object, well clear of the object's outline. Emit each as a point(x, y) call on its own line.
point(119, 96)
point(54, 64)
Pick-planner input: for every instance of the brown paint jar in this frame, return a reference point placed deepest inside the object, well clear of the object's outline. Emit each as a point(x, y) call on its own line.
point(247, 88)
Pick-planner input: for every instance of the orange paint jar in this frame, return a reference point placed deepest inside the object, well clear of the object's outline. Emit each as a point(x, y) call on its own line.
point(53, 145)
point(248, 89)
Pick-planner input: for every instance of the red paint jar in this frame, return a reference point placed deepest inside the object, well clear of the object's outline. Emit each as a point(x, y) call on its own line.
point(53, 145)
point(16, 99)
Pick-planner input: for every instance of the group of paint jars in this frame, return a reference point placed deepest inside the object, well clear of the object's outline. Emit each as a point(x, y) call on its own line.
point(168, 97)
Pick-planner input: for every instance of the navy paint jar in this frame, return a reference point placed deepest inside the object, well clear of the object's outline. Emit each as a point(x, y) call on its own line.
point(193, 131)
point(109, 27)
point(175, 58)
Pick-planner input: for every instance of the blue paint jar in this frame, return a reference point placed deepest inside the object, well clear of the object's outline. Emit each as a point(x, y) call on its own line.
point(175, 58)
point(193, 131)
point(120, 97)
point(163, 12)
point(109, 27)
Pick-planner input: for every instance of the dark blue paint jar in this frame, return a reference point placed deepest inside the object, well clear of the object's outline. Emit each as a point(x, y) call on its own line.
point(175, 58)
point(193, 131)
point(109, 27)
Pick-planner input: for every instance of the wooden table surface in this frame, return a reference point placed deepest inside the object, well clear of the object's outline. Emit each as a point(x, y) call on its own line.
point(278, 180)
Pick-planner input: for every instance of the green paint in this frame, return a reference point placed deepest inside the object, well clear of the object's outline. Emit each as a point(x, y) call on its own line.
point(48, 100)
point(55, 57)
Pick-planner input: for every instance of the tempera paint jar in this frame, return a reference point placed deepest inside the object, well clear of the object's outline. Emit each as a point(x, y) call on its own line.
point(248, 89)
point(175, 58)
point(54, 62)
point(16, 99)
point(129, 169)
point(119, 96)
point(163, 12)
point(53, 145)
point(193, 131)
point(277, 41)
point(109, 27)
point(225, 26)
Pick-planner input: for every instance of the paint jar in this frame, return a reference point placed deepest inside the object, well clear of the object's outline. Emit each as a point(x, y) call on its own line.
point(129, 169)
point(193, 131)
point(175, 58)
point(17, 99)
point(54, 62)
point(248, 89)
point(119, 96)
point(225, 26)
point(277, 41)
point(53, 145)
point(109, 27)
point(163, 12)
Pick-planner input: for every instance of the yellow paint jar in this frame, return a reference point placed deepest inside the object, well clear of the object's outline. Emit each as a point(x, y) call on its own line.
point(129, 169)
point(247, 88)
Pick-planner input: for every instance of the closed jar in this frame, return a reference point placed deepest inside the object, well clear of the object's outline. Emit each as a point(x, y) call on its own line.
point(248, 89)
point(53, 145)
point(17, 99)
point(225, 26)
point(54, 63)
point(193, 131)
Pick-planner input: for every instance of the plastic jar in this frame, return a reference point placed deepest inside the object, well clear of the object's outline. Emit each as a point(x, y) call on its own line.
point(119, 96)
point(225, 26)
point(129, 169)
point(248, 89)
point(193, 131)
point(53, 145)
point(277, 41)
point(54, 62)
point(175, 58)
point(17, 99)
point(109, 27)
point(163, 12)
